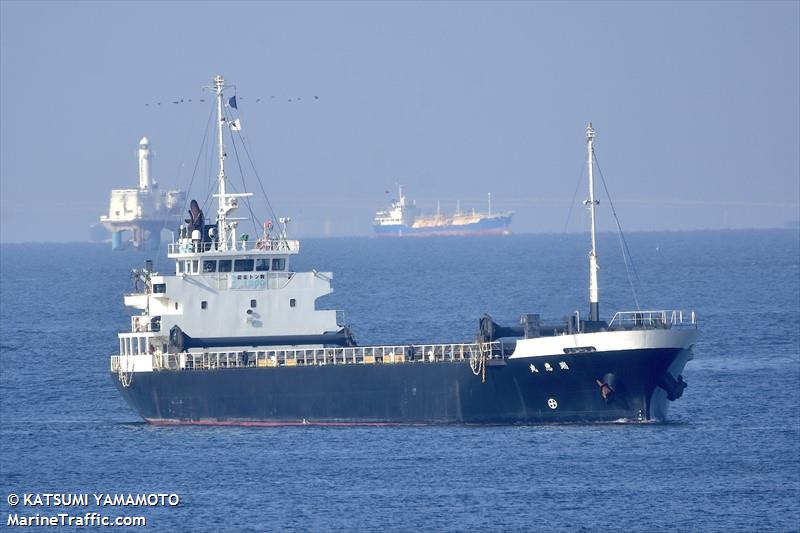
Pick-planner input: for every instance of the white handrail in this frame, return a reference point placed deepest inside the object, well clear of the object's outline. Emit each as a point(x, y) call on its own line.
point(653, 319)
point(258, 245)
point(278, 357)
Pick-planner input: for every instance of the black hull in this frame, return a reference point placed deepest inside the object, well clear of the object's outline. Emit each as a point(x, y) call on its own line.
point(410, 393)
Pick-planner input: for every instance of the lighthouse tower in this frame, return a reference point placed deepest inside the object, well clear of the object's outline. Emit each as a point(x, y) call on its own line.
point(145, 184)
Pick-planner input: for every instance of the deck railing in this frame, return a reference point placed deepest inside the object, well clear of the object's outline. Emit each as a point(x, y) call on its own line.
point(274, 245)
point(411, 354)
point(662, 319)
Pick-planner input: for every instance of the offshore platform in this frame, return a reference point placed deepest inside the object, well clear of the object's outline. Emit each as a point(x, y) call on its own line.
point(142, 212)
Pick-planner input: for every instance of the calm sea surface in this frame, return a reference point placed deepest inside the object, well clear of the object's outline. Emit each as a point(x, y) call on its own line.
point(729, 459)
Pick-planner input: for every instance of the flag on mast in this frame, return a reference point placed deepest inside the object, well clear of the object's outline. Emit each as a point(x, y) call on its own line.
point(232, 102)
point(236, 125)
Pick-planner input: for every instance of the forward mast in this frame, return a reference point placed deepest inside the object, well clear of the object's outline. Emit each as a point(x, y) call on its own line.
point(594, 304)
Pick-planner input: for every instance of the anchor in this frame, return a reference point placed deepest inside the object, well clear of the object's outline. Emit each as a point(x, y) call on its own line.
point(674, 387)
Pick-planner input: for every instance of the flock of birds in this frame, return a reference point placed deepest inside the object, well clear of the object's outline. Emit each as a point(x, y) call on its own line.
point(201, 100)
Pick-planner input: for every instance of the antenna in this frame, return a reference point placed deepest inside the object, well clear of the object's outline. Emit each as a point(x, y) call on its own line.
point(594, 305)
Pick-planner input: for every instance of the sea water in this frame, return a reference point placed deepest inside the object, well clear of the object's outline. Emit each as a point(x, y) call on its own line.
point(728, 459)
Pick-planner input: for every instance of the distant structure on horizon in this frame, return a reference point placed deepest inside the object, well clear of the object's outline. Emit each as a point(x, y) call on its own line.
point(143, 212)
point(403, 219)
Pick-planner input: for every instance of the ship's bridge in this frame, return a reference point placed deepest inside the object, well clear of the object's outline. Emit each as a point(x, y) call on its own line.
point(262, 255)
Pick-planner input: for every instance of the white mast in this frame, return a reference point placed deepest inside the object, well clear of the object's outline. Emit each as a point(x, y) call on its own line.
point(228, 202)
point(219, 81)
point(594, 305)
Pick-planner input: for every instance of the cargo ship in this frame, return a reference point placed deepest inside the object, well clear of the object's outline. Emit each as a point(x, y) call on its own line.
point(404, 219)
point(231, 336)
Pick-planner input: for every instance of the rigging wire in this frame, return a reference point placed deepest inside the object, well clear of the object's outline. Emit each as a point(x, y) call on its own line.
point(197, 160)
point(623, 243)
point(228, 116)
point(191, 180)
point(574, 195)
point(241, 172)
point(253, 216)
point(210, 167)
point(260, 182)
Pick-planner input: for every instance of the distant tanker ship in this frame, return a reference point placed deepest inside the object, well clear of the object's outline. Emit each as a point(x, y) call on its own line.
point(403, 218)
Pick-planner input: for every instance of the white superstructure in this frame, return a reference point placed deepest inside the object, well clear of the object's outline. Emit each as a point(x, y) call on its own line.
point(227, 290)
point(400, 211)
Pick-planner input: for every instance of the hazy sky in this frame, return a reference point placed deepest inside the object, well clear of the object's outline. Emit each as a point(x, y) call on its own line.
point(696, 108)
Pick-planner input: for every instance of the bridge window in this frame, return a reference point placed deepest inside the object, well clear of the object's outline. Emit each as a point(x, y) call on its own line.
point(262, 265)
point(195, 267)
point(159, 288)
point(279, 263)
point(252, 303)
point(292, 303)
point(187, 267)
point(209, 266)
point(225, 265)
point(203, 304)
point(243, 265)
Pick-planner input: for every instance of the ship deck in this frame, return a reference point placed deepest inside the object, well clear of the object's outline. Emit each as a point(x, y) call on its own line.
point(475, 353)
